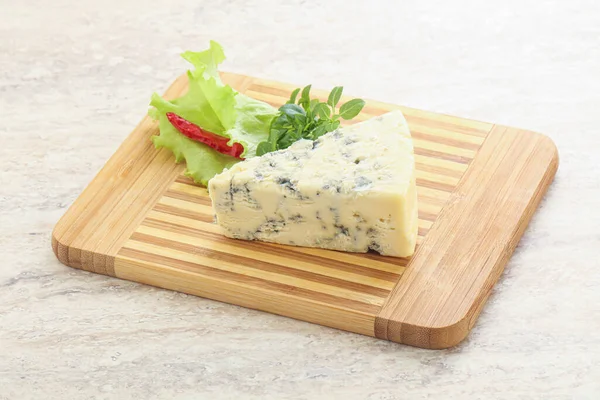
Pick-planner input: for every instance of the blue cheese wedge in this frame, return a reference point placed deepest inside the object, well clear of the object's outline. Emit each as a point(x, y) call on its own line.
point(351, 190)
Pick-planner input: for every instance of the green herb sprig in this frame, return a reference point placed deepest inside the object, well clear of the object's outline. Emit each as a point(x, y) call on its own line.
point(307, 119)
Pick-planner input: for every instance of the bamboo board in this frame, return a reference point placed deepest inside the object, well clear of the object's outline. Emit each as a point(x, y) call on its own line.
point(478, 185)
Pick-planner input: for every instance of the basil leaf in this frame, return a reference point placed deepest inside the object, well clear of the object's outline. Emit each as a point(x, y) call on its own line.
point(293, 96)
point(352, 108)
point(309, 119)
point(291, 109)
point(322, 110)
point(318, 132)
point(305, 97)
point(313, 104)
point(300, 120)
point(263, 148)
point(335, 95)
point(332, 125)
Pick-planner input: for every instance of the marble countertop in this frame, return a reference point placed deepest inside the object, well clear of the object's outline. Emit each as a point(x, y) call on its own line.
point(75, 78)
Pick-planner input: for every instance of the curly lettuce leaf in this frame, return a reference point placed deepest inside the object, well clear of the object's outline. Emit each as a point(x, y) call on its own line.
point(215, 107)
point(252, 123)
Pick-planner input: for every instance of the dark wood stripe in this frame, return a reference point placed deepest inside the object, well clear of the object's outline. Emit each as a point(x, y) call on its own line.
point(255, 264)
point(275, 104)
point(434, 201)
point(371, 255)
point(465, 130)
point(425, 216)
point(443, 156)
point(434, 169)
point(373, 111)
point(423, 231)
point(193, 198)
point(444, 140)
point(186, 180)
point(286, 251)
point(283, 93)
point(248, 280)
point(183, 213)
point(445, 187)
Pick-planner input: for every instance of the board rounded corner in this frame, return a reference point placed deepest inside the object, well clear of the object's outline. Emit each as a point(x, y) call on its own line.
point(433, 337)
point(548, 142)
point(60, 249)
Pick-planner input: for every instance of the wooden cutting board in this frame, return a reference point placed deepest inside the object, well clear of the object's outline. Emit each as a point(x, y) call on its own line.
point(140, 219)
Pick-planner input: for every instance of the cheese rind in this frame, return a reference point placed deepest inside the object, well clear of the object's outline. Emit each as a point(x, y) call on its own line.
point(352, 190)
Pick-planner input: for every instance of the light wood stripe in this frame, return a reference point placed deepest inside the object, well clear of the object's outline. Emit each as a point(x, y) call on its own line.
point(440, 197)
point(460, 167)
point(182, 247)
point(442, 156)
point(187, 206)
point(273, 253)
point(184, 213)
point(435, 203)
point(437, 170)
point(438, 178)
point(425, 224)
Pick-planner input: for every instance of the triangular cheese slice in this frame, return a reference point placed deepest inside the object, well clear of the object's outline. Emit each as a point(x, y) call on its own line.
point(352, 190)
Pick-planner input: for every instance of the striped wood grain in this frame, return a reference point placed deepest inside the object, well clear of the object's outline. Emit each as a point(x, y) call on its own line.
point(179, 232)
point(168, 238)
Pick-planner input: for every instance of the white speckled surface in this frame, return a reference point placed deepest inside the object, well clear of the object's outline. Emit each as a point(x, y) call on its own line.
point(75, 78)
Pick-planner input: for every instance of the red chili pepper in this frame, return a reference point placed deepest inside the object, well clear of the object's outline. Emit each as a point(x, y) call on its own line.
point(194, 132)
